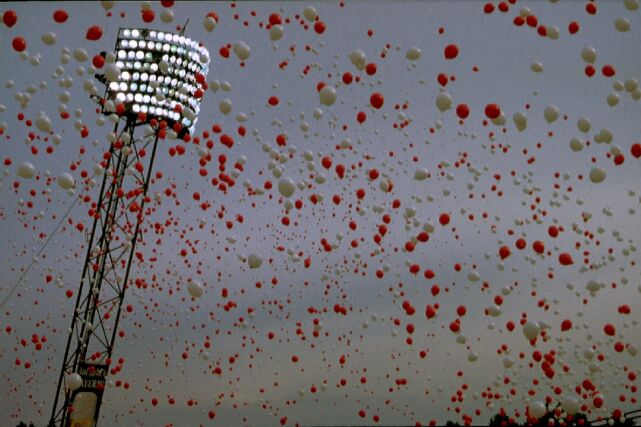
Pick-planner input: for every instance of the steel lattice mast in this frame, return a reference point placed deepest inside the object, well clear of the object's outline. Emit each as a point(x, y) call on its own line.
point(156, 90)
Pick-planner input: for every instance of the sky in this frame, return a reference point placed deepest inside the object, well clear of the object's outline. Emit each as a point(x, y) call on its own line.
point(475, 186)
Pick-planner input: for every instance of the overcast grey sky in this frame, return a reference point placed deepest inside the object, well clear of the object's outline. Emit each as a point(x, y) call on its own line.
point(508, 176)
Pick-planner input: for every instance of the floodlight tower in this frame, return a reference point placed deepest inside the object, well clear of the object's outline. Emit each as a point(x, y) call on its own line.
point(155, 81)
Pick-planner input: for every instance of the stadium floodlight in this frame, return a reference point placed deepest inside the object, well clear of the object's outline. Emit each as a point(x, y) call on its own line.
point(154, 80)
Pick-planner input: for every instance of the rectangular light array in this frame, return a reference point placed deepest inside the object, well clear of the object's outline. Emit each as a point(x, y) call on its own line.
point(158, 71)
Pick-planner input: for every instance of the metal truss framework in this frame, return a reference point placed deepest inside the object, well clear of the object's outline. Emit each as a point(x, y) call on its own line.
point(111, 245)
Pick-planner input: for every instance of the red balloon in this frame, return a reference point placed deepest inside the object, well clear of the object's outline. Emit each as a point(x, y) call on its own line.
point(10, 18)
point(566, 325)
point(148, 15)
point(451, 51)
point(19, 44)
point(319, 27)
point(376, 100)
point(635, 150)
point(60, 16)
point(609, 329)
point(538, 247)
point(275, 19)
point(98, 61)
point(566, 259)
point(462, 110)
point(94, 33)
point(444, 219)
point(504, 252)
point(492, 111)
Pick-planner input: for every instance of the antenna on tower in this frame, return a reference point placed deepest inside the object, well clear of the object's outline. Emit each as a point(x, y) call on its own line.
point(182, 32)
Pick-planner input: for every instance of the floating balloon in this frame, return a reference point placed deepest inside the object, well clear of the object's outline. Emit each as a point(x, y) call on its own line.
point(413, 54)
point(286, 187)
point(254, 261)
point(376, 100)
point(310, 13)
point(9, 17)
point(537, 409)
point(60, 16)
point(520, 121)
point(112, 72)
point(622, 25)
point(49, 38)
point(589, 55)
point(421, 174)
point(19, 44)
point(597, 174)
point(209, 23)
point(225, 106)
point(537, 67)
point(167, 16)
point(531, 330)
point(584, 125)
point(195, 289)
point(94, 33)
point(242, 50)
point(443, 101)
point(66, 181)
point(358, 59)
point(551, 113)
point(43, 123)
point(26, 170)
point(327, 95)
point(73, 381)
point(276, 32)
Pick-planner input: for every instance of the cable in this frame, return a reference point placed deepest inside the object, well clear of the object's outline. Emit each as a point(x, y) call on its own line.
point(42, 248)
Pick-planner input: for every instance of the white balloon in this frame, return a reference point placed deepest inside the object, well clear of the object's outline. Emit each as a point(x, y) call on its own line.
point(80, 55)
point(631, 4)
point(537, 409)
point(112, 72)
point(49, 38)
point(310, 13)
point(421, 174)
point(612, 99)
point(530, 330)
point(167, 16)
point(209, 24)
point(43, 123)
point(589, 55)
point(107, 4)
point(276, 32)
point(551, 113)
point(73, 381)
point(254, 261)
point(225, 106)
point(576, 145)
point(26, 170)
point(286, 187)
point(584, 125)
point(537, 67)
point(631, 85)
point(597, 174)
point(66, 181)
point(622, 25)
point(242, 50)
point(413, 53)
point(195, 289)
point(327, 95)
point(358, 59)
point(570, 405)
point(443, 101)
point(520, 121)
